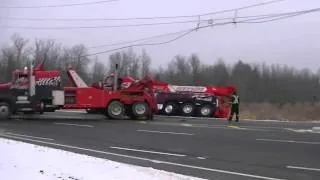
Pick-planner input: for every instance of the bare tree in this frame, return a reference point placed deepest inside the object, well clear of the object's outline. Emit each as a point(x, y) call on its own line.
point(134, 68)
point(127, 61)
point(42, 49)
point(9, 63)
point(182, 65)
point(216, 74)
point(76, 57)
point(183, 69)
point(19, 43)
point(159, 74)
point(171, 72)
point(132, 63)
point(145, 64)
point(195, 68)
point(98, 71)
point(114, 59)
point(79, 60)
point(54, 56)
point(121, 59)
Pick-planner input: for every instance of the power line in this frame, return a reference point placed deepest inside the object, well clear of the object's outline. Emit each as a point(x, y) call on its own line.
point(212, 25)
point(104, 26)
point(182, 31)
point(279, 17)
point(105, 19)
point(258, 17)
point(57, 5)
point(158, 43)
point(142, 18)
point(242, 8)
point(141, 39)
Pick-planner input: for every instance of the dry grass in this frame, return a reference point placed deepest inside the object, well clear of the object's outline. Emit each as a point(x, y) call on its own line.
point(296, 112)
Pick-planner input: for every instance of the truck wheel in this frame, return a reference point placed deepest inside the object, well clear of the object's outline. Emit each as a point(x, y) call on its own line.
point(4, 111)
point(187, 109)
point(140, 109)
point(205, 110)
point(116, 110)
point(170, 108)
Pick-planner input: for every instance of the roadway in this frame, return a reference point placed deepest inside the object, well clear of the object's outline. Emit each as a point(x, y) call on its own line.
point(209, 149)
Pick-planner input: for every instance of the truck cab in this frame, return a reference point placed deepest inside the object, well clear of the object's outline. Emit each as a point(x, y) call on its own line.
point(33, 90)
point(29, 91)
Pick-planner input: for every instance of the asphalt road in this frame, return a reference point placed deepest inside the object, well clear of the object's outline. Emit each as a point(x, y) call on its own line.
point(209, 149)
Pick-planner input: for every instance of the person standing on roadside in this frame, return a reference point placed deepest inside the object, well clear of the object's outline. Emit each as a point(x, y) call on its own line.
point(235, 101)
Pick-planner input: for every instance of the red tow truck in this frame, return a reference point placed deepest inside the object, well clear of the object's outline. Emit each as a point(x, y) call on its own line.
point(27, 93)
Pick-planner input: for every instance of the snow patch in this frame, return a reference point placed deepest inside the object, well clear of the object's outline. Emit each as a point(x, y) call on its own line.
point(21, 160)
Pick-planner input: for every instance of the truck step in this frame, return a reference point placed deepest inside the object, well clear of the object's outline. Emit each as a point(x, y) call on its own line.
point(25, 109)
point(22, 102)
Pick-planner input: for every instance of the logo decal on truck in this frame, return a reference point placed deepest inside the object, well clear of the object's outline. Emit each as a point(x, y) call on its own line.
point(48, 81)
point(174, 88)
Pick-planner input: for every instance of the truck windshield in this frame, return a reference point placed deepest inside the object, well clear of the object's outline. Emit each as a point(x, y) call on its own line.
point(20, 80)
point(108, 82)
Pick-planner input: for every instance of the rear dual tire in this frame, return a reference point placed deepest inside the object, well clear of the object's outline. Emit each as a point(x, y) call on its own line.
point(140, 109)
point(170, 108)
point(205, 110)
point(116, 110)
point(188, 109)
point(5, 111)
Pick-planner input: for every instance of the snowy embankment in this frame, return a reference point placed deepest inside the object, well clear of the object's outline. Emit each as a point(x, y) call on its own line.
point(22, 161)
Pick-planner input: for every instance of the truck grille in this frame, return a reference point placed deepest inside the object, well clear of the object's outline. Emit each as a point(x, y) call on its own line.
point(70, 97)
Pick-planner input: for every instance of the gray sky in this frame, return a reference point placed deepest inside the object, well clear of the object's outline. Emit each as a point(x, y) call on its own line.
point(294, 41)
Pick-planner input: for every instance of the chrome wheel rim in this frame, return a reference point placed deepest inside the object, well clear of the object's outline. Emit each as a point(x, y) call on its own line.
point(116, 110)
point(140, 109)
point(169, 109)
point(4, 111)
point(205, 111)
point(187, 109)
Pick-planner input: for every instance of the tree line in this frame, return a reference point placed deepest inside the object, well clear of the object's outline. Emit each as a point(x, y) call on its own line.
point(255, 82)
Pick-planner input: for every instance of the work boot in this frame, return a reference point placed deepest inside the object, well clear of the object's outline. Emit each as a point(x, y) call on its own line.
point(237, 119)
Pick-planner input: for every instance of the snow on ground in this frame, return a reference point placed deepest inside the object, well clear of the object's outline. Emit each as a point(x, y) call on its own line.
point(20, 161)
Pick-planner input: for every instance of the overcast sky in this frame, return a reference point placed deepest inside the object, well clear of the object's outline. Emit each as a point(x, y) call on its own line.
point(294, 41)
